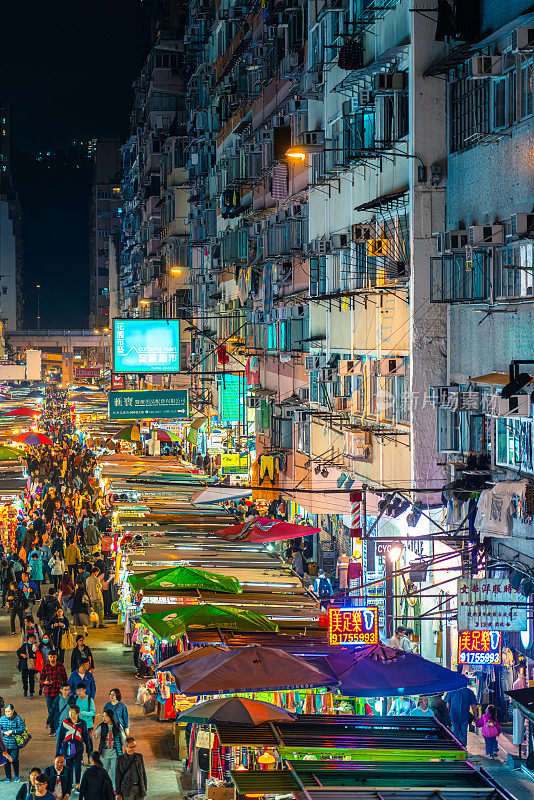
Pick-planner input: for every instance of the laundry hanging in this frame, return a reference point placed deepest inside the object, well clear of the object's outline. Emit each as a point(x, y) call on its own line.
point(279, 187)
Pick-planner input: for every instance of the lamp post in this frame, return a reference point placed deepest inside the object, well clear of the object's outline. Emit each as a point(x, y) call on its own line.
point(38, 287)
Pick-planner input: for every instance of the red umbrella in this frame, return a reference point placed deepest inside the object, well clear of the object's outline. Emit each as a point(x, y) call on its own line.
point(263, 529)
point(32, 438)
point(23, 411)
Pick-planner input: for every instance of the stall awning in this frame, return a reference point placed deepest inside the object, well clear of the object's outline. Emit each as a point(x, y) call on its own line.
point(493, 379)
point(219, 494)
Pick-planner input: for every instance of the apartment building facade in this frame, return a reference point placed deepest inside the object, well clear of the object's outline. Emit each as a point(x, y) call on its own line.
point(11, 300)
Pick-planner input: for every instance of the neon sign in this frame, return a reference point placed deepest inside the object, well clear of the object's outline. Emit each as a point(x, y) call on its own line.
point(356, 626)
point(479, 647)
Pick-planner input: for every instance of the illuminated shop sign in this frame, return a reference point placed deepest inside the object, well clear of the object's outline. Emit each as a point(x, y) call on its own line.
point(146, 345)
point(356, 626)
point(479, 647)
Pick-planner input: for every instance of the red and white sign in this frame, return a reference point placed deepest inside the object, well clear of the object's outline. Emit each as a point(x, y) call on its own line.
point(87, 372)
point(356, 511)
point(117, 381)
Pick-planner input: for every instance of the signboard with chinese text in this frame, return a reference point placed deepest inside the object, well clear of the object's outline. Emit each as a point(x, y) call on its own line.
point(230, 399)
point(146, 345)
point(490, 604)
point(479, 647)
point(87, 372)
point(117, 381)
point(358, 626)
point(164, 404)
point(234, 464)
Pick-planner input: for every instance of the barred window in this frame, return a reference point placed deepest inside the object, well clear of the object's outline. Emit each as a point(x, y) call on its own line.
point(469, 111)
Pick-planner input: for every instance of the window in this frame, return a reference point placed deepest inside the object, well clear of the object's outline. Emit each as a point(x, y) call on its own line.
point(448, 430)
point(514, 443)
point(469, 110)
point(103, 194)
point(282, 433)
point(317, 276)
point(526, 88)
point(102, 234)
point(272, 338)
point(303, 430)
point(453, 279)
point(514, 271)
point(104, 213)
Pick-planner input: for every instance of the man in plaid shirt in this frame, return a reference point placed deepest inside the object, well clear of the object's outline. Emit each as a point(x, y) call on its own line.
point(53, 677)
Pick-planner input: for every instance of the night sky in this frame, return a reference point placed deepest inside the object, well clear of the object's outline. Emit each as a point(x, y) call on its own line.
point(68, 68)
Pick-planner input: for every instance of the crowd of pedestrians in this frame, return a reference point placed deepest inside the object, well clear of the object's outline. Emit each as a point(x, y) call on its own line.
point(60, 544)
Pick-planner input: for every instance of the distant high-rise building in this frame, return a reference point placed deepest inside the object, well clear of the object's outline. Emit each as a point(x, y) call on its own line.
point(106, 201)
point(10, 228)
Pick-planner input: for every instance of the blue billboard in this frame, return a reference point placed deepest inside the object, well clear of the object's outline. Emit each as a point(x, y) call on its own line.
point(146, 345)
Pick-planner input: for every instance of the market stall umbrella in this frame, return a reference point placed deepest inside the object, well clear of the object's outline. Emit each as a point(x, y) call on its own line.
point(381, 671)
point(8, 453)
point(170, 625)
point(240, 710)
point(129, 434)
point(190, 655)
point(263, 529)
point(165, 436)
point(184, 578)
point(23, 411)
point(32, 438)
point(247, 669)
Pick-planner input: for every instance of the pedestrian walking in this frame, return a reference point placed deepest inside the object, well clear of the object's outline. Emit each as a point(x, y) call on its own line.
point(81, 653)
point(130, 773)
point(26, 664)
point(59, 779)
point(57, 568)
point(29, 589)
point(81, 608)
point(461, 704)
point(440, 709)
point(119, 709)
point(53, 677)
point(490, 731)
point(94, 590)
point(66, 592)
point(35, 570)
point(72, 739)
point(59, 710)
point(17, 604)
point(48, 607)
point(58, 627)
point(84, 676)
point(4, 755)
point(11, 725)
point(27, 790)
point(110, 739)
point(73, 557)
point(96, 783)
point(86, 705)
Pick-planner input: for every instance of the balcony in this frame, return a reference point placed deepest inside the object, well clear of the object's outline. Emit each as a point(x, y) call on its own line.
point(153, 290)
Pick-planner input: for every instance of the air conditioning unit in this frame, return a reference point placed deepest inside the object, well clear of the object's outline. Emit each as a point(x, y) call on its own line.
point(523, 40)
point(295, 210)
point(452, 240)
point(522, 224)
point(266, 135)
point(389, 81)
point(289, 65)
point(350, 107)
point(365, 97)
point(485, 66)
point(298, 312)
point(304, 394)
point(350, 367)
point(455, 399)
point(302, 416)
point(311, 82)
point(256, 228)
point(253, 402)
point(287, 412)
point(389, 367)
point(377, 247)
point(311, 138)
point(486, 235)
point(327, 375)
point(315, 362)
point(359, 445)
point(518, 405)
point(296, 107)
point(249, 148)
point(320, 247)
point(340, 241)
point(362, 233)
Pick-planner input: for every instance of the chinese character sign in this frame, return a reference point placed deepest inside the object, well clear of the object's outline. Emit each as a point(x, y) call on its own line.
point(490, 603)
point(353, 626)
point(231, 398)
point(146, 345)
point(164, 404)
point(479, 647)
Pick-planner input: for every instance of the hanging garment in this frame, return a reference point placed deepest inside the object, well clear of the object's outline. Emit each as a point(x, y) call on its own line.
point(495, 508)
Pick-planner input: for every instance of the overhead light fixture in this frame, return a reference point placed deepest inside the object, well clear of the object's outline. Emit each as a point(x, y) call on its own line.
point(415, 515)
point(324, 472)
point(384, 503)
point(317, 469)
point(395, 551)
point(399, 506)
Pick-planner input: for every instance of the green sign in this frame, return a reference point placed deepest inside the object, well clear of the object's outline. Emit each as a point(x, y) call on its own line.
point(230, 399)
point(165, 404)
point(146, 345)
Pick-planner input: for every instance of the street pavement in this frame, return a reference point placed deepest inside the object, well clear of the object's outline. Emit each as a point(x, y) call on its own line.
point(113, 668)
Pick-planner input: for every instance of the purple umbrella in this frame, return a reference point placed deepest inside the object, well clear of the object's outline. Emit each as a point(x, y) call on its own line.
point(381, 671)
point(246, 669)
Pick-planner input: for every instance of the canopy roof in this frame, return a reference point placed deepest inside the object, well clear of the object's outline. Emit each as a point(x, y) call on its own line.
point(170, 625)
point(184, 578)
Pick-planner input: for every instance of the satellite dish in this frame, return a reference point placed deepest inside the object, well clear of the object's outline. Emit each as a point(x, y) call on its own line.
point(515, 385)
